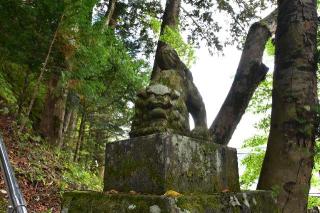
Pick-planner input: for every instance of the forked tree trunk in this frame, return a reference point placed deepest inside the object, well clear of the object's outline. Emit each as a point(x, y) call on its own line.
point(250, 73)
point(288, 163)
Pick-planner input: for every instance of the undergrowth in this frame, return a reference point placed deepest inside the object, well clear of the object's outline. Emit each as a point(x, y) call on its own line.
point(43, 171)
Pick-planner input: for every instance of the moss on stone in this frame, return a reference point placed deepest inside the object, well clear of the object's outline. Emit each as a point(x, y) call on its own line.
point(129, 165)
point(163, 99)
point(255, 201)
point(157, 163)
point(99, 202)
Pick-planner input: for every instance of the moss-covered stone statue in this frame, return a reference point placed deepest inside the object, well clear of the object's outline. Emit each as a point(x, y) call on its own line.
point(164, 106)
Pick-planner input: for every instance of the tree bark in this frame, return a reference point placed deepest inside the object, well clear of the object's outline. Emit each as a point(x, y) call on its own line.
point(110, 17)
point(288, 163)
point(70, 128)
point(67, 119)
point(99, 154)
point(250, 73)
point(80, 137)
point(170, 19)
point(61, 111)
point(47, 119)
point(52, 117)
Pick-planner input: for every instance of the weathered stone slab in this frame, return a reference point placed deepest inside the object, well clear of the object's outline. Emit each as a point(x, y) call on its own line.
point(245, 202)
point(156, 163)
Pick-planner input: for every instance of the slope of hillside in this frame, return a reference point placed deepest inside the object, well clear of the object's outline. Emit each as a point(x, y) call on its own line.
point(37, 170)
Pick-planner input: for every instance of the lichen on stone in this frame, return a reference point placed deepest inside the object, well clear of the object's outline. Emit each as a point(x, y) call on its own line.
point(161, 107)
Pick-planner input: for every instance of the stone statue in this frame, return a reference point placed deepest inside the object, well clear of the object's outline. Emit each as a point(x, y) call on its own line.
point(164, 106)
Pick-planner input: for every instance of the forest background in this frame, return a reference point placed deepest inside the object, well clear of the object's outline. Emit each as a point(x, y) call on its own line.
point(69, 74)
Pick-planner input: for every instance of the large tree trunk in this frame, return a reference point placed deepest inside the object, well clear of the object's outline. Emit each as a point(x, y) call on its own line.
point(289, 158)
point(170, 19)
point(52, 117)
point(250, 73)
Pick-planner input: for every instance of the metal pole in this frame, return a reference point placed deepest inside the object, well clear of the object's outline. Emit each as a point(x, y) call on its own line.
point(17, 203)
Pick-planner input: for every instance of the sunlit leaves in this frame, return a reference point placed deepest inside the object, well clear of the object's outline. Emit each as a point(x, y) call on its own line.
point(270, 48)
point(260, 104)
point(261, 100)
point(173, 38)
point(253, 163)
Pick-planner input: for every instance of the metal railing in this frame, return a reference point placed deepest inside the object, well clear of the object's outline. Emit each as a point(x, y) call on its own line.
point(16, 200)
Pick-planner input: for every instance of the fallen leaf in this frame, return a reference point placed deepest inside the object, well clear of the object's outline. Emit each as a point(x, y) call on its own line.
point(225, 190)
point(112, 191)
point(133, 192)
point(171, 193)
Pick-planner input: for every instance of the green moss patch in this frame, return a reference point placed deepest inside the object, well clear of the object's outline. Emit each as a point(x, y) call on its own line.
point(253, 201)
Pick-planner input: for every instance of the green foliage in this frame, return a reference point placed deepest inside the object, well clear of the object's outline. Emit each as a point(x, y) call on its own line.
point(255, 142)
point(174, 39)
point(46, 165)
point(155, 25)
point(133, 26)
point(253, 161)
point(77, 177)
point(270, 48)
point(93, 64)
point(6, 92)
point(261, 100)
point(313, 201)
point(260, 105)
point(98, 69)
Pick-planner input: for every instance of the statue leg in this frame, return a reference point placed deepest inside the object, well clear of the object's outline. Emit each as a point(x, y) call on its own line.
point(196, 106)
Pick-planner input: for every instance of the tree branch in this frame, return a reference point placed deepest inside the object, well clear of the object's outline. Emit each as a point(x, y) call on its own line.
point(251, 71)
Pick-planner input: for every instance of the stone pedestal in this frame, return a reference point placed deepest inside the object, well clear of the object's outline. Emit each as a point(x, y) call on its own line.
point(206, 175)
point(97, 202)
point(156, 163)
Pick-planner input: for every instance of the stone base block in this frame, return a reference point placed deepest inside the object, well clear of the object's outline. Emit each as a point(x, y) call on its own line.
point(157, 163)
point(245, 202)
